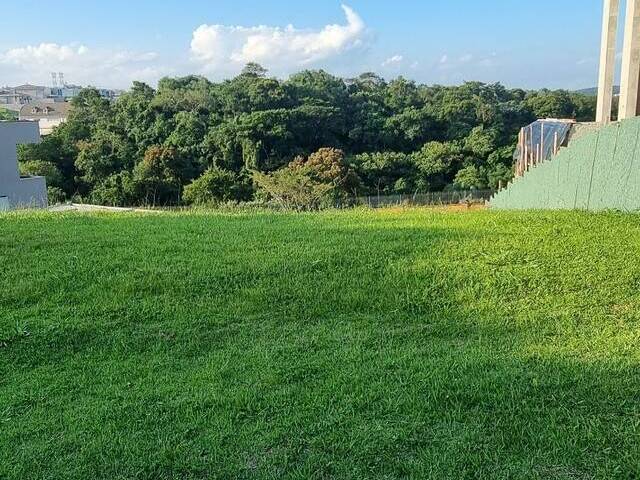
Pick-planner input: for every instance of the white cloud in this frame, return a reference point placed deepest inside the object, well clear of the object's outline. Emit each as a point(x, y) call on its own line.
point(466, 58)
point(585, 61)
point(395, 60)
point(42, 54)
point(217, 51)
point(80, 64)
point(224, 49)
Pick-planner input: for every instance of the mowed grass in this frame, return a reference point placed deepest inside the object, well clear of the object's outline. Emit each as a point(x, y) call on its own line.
point(361, 344)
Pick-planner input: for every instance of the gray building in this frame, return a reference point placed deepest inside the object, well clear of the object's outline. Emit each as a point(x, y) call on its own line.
point(11, 100)
point(36, 92)
point(17, 191)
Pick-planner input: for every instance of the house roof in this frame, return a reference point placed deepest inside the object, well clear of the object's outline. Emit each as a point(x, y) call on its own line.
point(40, 110)
point(28, 85)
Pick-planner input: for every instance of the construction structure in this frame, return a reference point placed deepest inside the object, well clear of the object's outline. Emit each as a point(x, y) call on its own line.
point(18, 191)
point(630, 77)
point(562, 164)
point(599, 170)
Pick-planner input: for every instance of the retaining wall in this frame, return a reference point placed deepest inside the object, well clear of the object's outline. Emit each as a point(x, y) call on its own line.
point(597, 171)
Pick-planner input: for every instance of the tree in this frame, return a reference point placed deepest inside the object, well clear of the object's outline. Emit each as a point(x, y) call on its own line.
point(481, 142)
point(293, 188)
point(100, 157)
point(394, 137)
point(156, 179)
point(116, 190)
point(253, 69)
point(436, 161)
point(402, 94)
point(317, 87)
point(328, 165)
point(187, 138)
point(53, 176)
point(410, 128)
point(305, 184)
point(53, 151)
point(368, 81)
point(89, 113)
point(470, 177)
point(499, 175)
point(551, 104)
point(385, 173)
point(40, 168)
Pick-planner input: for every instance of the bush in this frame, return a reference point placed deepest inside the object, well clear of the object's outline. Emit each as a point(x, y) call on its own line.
point(115, 191)
point(294, 188)
point(308, 184)
point(7, 114)
point(218, 186)
point(39, 168)
point(56, 195)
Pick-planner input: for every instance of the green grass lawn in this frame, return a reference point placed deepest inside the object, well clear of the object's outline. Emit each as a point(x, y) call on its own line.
point(362, 344)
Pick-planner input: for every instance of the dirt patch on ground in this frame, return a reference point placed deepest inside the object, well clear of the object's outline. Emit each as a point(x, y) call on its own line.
point(462, 207)
point(441, 208)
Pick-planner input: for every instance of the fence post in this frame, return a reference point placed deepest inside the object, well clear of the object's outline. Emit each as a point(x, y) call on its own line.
point(542, 155)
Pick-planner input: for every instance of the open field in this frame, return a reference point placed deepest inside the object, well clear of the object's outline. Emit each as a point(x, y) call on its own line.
point(360, 344)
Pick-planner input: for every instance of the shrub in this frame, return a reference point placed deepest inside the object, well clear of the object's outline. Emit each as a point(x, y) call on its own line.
point(40, 168)
point(56, 195)
point(115, 191)
point(308, 184)
point(217, 186)
point(294, 188)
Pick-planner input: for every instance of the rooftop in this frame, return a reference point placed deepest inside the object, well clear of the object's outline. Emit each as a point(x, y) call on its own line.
point(39, 110)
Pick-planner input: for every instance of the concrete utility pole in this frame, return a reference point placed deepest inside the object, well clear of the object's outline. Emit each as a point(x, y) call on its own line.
point(607, 60)
point(630, 62)
point(16, 191)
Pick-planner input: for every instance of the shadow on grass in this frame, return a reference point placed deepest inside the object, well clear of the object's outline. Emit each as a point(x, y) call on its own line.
point(311, 351)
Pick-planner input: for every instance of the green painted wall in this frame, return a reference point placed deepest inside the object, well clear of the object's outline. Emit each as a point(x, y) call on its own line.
point(599, 171)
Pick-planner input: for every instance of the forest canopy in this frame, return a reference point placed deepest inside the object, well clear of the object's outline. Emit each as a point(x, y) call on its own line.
point(194, 141)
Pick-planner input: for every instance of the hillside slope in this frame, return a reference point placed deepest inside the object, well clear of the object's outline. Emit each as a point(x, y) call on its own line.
point(363, 344)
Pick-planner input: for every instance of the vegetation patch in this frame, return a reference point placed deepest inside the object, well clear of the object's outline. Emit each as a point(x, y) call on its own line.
point(194, 141)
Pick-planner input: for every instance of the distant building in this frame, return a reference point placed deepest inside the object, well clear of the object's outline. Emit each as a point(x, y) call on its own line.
point(17, 191)
point(11, 100)
point(48, 114)
point(69, 92)
point(66, 92)
point(36, 92)
point(109, 94)
point(15, 98)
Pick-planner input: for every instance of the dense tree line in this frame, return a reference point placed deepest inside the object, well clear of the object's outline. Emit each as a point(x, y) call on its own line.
point(315, 135)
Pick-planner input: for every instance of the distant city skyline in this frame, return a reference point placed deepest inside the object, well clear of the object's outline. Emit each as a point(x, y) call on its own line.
point(555, 44)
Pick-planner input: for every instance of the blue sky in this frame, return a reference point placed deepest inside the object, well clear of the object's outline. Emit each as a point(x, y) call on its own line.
point(552, 43)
